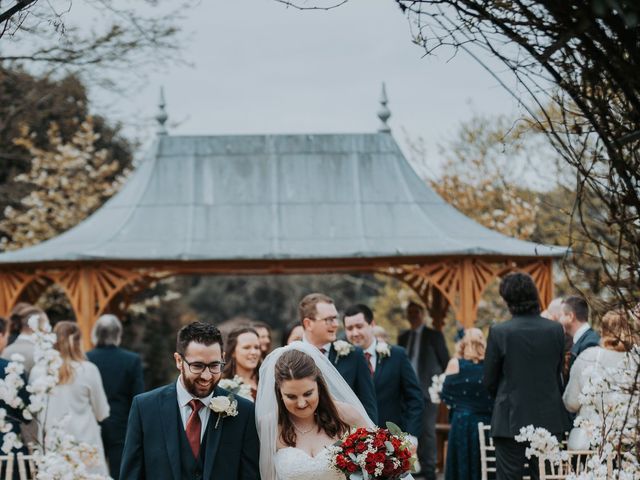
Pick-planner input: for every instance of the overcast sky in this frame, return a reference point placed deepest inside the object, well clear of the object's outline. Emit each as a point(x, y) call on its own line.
point(260, 67)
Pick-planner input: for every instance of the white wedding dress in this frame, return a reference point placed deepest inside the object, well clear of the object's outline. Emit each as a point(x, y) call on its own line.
point(294, 464)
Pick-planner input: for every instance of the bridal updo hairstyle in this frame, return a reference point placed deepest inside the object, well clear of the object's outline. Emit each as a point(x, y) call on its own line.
point(297, 365)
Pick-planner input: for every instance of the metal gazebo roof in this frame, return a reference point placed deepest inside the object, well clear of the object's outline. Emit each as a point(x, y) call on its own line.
point(253, 197)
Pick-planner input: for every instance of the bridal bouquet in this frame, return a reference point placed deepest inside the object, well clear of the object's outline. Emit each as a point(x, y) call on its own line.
point(380, 453)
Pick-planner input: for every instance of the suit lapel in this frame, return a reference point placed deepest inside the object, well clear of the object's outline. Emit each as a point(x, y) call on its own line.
point(171, 421)
point(424, 346)
point(213, 438)
point(332, 354)
point(381, 362)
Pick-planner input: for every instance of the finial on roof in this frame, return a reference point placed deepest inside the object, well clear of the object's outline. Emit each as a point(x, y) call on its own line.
point(384, 113)
point(162, 116)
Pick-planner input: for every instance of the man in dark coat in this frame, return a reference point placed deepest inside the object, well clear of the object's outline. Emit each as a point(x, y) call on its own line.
point(121, 372)
point(428, 354)
point(192, 429)
point(522, 371)
point(319, 319)
point(398, 392)
point(575, 320)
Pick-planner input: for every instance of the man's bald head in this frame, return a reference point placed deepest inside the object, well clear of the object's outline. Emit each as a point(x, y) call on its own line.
point(554, 310)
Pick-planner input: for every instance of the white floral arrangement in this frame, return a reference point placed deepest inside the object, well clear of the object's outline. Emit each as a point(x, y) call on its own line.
point(542, 444)
point(224, 406)
point(614, 432)
point(383, 350)
point(237, 386)
point(60, 456)
point(437, 382)
point(342, 349)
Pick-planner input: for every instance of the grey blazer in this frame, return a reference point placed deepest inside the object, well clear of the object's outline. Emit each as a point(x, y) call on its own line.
point(23, 347)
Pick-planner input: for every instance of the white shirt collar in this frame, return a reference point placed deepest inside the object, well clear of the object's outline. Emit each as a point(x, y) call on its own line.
point(419, 329)
point(580, 332)
point(326, 346)
point(184, 397)
point(372, 348)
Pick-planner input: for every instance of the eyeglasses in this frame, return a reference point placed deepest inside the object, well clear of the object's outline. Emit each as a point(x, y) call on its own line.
point(327, 320)
point(198, 367)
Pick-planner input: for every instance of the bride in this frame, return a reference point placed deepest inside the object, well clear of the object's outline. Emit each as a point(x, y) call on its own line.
point(303, 406)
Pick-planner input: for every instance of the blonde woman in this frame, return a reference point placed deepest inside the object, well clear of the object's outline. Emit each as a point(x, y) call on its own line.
point(79, 394)
point(618, 336)
point(470, 404)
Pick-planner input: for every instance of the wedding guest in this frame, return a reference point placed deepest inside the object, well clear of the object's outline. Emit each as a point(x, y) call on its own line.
point(121, 373)
point(618, 338)
point(319, 318)
point(574, 319)
point(398, 394)
point(292, 333)
point(469, 403)
point(264, 334)
point(428, 354)
point(554, 312)
point(243, 356)
point(78, 395)
point(25, 342)
point(522, 368)
point(15, 320)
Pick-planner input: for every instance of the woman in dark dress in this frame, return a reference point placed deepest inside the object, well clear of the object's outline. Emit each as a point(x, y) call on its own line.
point(469, 403)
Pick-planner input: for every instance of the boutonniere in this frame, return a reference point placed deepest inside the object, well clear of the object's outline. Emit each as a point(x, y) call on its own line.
point(224, 407)
point(383, 350)
point(342, 349)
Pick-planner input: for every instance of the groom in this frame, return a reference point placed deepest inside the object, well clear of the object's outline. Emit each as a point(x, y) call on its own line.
point(188, 429)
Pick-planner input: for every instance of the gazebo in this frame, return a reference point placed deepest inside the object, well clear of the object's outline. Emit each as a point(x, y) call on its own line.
point(273, 204)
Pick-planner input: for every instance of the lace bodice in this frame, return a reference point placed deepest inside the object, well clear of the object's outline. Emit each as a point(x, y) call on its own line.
point(294, 464)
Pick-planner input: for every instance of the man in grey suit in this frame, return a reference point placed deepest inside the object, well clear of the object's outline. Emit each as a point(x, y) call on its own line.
point(429, 356)
point(522, 371)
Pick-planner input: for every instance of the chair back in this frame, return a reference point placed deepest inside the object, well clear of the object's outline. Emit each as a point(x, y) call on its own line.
point(6, 466)
point(575, 464)
point(26, 467)
point(487, 452)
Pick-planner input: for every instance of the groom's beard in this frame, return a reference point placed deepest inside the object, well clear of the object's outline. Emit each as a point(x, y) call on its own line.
point(197, 387)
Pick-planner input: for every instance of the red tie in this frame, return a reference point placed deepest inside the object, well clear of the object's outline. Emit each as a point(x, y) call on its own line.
point(367, 355)
point(194, 425)
point(323, 351)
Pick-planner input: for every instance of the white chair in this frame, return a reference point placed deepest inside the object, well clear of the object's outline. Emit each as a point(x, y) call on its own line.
point(26, 467)
point(575, 464)
point(6, 466)
point(487, 452)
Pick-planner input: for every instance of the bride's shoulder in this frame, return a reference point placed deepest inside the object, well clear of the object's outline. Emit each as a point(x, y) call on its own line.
point(350, 415)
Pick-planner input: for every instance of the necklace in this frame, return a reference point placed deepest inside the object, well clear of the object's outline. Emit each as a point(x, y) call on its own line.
point(302, 432)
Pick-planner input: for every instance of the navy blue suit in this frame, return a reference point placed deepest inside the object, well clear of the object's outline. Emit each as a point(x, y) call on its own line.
point(152, 447)
point(353, 368)
point(398, 392)
point(587, 340)
point(121, 373)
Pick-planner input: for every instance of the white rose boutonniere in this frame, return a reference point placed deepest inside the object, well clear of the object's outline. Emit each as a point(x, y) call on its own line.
point(383, 350)
point(224, 407)
point(342, 349)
